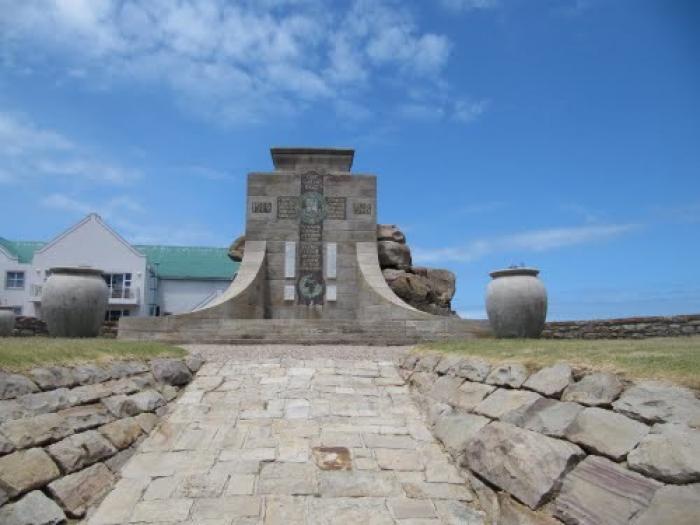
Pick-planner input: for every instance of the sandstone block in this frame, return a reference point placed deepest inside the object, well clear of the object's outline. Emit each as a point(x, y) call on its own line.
point(428, 362)
point(90, 374)
point(32, 509)
point(546, 416)
point(25, 470)
point(288, 479)
point(503, 401)
point(470, 394)
point(605, 432)
point(53, 377)
point(550, 381)
point(473, 369)
point(595, 389)
point(75, 492)
point(599, 491)
point(671, 453)
point(36, 430)
point(513, 513)
point(43, 402)
point(655, 402)
point(445, 388)
point(456, 430)
point(121, 406)
point(508, 374)
point(148, 400)
point(447, 364)
point(121, 369)
point(171, 371)
point(357, 484)
point(146, 421)
point(121, 433)
point(194, 362)
point(526, 464)
point(86, 417)
point(673, 505)
point(80, 450)
point(15, 385)
point(423, 381)
point(88, 393)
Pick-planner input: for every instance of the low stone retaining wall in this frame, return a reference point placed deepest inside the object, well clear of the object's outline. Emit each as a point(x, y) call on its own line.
point(559, 445)
point(629, 327)
point(66, 432)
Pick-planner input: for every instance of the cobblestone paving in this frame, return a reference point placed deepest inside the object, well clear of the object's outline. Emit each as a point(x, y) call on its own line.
point(289, 441)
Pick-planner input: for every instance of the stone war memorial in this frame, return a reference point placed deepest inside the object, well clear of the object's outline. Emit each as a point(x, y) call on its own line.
point(310, 270)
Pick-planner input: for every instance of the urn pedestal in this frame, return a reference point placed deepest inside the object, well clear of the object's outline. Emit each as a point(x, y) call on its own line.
point(516, 303)
point(74, 302)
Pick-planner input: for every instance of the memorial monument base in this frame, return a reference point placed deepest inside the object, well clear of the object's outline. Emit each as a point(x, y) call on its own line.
point(310, 272)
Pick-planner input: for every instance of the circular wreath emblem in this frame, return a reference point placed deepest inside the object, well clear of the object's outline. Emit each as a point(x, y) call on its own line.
point(313, 208)
point(310, 288)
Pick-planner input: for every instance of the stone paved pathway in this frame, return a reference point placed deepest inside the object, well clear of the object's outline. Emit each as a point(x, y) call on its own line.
point(286, 441)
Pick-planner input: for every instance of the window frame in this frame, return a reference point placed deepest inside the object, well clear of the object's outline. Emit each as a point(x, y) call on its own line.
point(15, 279)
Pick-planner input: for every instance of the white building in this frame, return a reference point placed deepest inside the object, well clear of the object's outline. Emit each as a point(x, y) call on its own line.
point(143, 279)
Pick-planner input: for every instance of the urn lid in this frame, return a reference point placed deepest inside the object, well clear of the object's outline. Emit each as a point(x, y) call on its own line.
point(76, 270)
point(506, 272)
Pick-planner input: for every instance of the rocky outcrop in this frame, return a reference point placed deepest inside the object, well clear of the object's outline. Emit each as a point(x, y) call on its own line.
point(572, 453)
point(428, 289)
point(65, 432)
point(624, 328)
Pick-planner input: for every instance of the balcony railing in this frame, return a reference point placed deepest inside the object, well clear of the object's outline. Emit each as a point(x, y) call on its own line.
point(124, 295)
point(35, 292)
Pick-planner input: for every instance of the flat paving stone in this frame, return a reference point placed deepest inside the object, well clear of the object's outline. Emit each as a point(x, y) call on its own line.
point(308, 435)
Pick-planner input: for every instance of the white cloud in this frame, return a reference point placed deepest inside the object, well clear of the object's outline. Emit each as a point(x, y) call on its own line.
point(469, 5)
point(468, 111)
point(30, 151)
point(232, 62)
point(529, 241)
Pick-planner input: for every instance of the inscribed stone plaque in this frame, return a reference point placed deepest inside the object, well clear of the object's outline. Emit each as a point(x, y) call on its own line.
point(287, 208)
point(331, 293)
point(362, 208)
point(288, 292)
point(310, 256)
point(312, 212)
point(335, 208)
point(331, 260)
point(290, 258)
point(261, 207)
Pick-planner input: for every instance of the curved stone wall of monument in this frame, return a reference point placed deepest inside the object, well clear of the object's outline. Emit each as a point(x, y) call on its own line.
point(244, 298)
point(376, 300)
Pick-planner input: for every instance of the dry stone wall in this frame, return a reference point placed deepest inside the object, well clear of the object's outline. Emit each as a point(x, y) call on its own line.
point(562, 446)
point(624, 328)
point(65, 432)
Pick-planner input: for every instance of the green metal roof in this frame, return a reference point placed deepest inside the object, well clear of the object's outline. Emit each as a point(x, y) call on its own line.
point(171, 262)
point(23, 250)
point(189, 262)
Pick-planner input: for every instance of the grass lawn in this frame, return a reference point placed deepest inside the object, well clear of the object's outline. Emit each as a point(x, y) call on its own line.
point(675, 359)
point(22, 353)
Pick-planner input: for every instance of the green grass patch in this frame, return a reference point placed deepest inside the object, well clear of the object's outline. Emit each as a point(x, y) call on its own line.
point(675, 359)
point(22, 353)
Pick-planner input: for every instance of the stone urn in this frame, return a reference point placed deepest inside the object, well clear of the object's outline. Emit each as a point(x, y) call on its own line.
point(516, 303)
point(7, 321)
point(74, 302)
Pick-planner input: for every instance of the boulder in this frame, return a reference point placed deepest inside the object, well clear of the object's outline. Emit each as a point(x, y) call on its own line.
point(146, 421)
point(600, 388)
point(6, 446)
point(508, 374)
point(390, 232)
point(428, 362)
point(423, 381)
point(89, 393)
point(171, 371)
point(148, 400)
point(80, 450)
point(33, 509)
point(550, 381)
point(121, 406)
point(445, 388)
point(15, 385)
point(122, 369)
point(447, 364)
point(655, 402)
point(86, 417)
point(442, 285)
point(455, 430)
point(122, 433)
point(503, 401)
point(237, 249)
point(605, 432)
point(53, 377)
point(43, 402)
point(394, 255)
point(36, 430)
point(90, 374)
point(470, 394)
point(525, 464)
point(11, 409)
point(599, 492)
point(194, 362)
point(546, 416)
point(673, 505)
point(76, 492)
point(412, 288)
point(670, 453)
point(26, 470)
point(473, 369)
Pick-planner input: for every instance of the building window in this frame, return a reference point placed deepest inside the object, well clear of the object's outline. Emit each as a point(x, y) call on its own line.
point(119, 285)
point(14, 280)
point(115, 315)
point(17, 310)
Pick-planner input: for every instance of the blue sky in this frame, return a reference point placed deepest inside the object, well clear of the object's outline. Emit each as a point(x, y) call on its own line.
point(564, 134)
